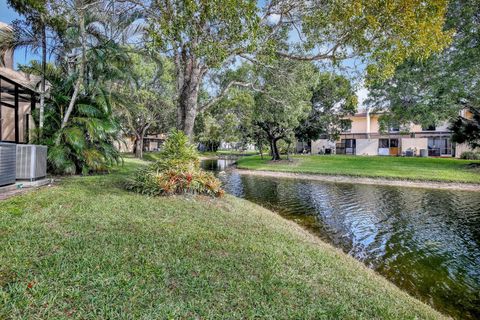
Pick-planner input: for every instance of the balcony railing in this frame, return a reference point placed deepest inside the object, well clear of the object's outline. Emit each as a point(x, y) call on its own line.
point(340, 148)
point(429, 134)
point(437, 152)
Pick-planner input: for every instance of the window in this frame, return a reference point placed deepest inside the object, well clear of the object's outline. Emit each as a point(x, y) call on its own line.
point(350, 143)
point(394, 127)
point(393, 143)
point(387, 143)
point(428, 128)
point(346, 125)
point(383, 143)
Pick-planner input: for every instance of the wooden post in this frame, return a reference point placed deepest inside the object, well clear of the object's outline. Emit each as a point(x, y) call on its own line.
point(32, 109)
point(17, 131)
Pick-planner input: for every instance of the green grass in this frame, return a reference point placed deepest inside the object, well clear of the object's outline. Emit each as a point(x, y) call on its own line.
point(87, 249)
point(429, 169)
point(229, 152)
point(151, 156)
point(154, 156)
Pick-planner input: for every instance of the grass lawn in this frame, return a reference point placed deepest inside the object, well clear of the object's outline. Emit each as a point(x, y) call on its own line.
point(228, 153)
point(153, 156)
point(432, 169)
point(87, 249)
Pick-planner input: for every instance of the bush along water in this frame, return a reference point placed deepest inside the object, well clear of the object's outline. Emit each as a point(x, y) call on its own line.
point(176, 172)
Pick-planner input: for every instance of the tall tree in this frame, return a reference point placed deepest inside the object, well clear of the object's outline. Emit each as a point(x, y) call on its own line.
point(92, 36)
point(144, 97)
point(202, 36)
point(230, 119)
point(333, 98)
point(283, 101)
point(436, 89)
point(467, 130)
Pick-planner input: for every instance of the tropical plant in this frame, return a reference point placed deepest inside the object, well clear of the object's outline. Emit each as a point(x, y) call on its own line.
point(86, 143)
point(176, 172)
point(90, 59)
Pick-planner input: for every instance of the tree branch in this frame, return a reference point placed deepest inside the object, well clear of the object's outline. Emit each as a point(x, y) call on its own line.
point(224, 91)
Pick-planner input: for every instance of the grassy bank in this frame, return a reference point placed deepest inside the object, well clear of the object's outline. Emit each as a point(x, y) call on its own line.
point(87, 249)
point(229, 153)
point(153, 156)
point(426, 169)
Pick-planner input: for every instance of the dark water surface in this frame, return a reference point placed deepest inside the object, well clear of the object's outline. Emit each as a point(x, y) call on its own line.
point(426, 241)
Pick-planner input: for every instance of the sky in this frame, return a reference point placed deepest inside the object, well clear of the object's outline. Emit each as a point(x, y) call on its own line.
point(7, 15)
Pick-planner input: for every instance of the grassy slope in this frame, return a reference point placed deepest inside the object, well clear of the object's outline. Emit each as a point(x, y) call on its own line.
point(433, 169)
point(153, 156)
point(87, 249)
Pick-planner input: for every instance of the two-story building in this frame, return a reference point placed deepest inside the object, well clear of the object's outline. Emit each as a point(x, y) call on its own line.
point(364, 137)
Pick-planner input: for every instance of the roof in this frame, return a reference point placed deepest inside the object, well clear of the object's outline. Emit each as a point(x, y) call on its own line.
point(27, 80)
point(12, 82)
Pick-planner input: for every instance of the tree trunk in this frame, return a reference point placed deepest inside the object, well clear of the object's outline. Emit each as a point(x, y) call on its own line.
point(275, 153)
point(79, 81)
point(187, 110)
point(260, 148)
point(139, 147)
point(188, 97)
point(140, 136)
point(42, 84)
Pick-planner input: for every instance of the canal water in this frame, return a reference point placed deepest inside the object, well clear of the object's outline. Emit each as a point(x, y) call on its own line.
point(426, 241)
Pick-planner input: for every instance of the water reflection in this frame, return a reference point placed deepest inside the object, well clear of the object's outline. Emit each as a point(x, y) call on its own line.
point(426, 241)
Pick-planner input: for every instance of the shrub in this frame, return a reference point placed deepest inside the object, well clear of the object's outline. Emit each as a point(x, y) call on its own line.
point(470, 155)
point(176, 172)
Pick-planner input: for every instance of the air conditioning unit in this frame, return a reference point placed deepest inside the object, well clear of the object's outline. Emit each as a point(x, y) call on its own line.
point(7, 163)
point(31, 162)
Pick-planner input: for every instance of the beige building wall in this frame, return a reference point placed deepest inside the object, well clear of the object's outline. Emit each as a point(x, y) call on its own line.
point(321, 144)
point(153, 145)
point(374, 124)
point(414, 144)
point(359, 125)
point(367, 147)
point(442, 127)
point(415, 128)
point(125, 144)
point(8, 59)
point(8, 124)
point(418, 128)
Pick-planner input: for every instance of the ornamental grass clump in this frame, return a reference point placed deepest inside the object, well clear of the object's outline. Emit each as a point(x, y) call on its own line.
point(176, 172)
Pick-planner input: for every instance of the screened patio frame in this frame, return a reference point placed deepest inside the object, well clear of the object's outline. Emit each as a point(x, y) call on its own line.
point(12, 94)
